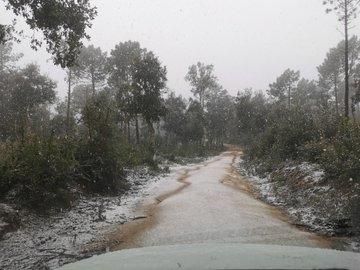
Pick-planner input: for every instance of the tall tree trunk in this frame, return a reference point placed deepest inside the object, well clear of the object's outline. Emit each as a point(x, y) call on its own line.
point(68, 102)
point(24, 125)
point(151, 131)
point(86, 96)
point(137, 130)
point(353, 111)
point(336, 97)
point(346, 24)
point(289, 97)
point(128, 130)
point(123, 129)
point(93, 83)
point(201, 98)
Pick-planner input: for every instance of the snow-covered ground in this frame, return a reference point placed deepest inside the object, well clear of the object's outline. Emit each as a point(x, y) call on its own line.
point(310, 201)
point(49, 242)
point(208, 210)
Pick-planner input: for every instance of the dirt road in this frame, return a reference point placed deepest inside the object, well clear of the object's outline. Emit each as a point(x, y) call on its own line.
point(206, 203)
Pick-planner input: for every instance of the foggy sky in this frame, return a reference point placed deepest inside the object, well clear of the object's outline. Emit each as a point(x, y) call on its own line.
point(250, 42)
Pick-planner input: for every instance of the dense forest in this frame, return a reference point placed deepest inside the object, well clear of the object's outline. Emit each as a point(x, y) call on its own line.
point(112, 157)
point(304, 119)
point(119, 113)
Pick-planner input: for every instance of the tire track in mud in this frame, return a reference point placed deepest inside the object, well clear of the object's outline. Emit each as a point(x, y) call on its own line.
point(182, 179)
point(234, 180)
point(125, 235)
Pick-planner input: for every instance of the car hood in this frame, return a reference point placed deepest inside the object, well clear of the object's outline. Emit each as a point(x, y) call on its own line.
point(221, 256)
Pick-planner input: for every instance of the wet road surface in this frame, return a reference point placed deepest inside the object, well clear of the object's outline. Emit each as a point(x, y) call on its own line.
point(210, 203)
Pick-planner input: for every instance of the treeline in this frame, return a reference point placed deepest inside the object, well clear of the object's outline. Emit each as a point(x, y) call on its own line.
point(118, 113)
point(303, 120)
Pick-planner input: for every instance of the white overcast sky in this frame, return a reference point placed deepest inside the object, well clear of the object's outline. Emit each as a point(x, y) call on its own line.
point(250, 42)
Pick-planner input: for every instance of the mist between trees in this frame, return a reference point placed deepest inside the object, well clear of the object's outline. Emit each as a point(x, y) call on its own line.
point(118, 114)
point(300, 119)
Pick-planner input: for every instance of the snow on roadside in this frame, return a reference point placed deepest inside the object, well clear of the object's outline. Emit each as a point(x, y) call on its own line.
point(314, 174)
point(302, 192)
point(262, 184)
point(49, 242)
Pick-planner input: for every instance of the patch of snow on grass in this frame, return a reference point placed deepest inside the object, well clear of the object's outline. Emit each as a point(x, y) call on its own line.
point(314, 173)
point(49, 242)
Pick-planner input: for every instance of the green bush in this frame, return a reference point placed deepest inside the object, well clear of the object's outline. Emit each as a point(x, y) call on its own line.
point(6, 163)
point(284, 137)
point(172, 151)
point(38, 171)
point(100, 166)
point(313, 150)
point(296, 136)
point(102, 154)
point(341, 156)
